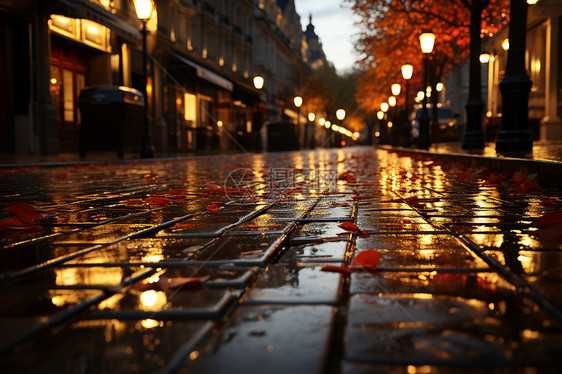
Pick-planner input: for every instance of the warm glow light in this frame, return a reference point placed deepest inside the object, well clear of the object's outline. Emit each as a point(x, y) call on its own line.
point(298, 101)
point(532, 2)
point(484, 58)
point(144, 9)
point(53, 80)
point(377, 134)
point(389, 124)
point(427, 40)
point(321, 121)
point(356, 135)
point(384, 107)
point(219, 123)
point(392, 101)
point(439, 87)
point(505, 44)
point(395, 88)
point(420, 95)
point(407, 71)
point(311, 117)
point(340, 114)
point(327, 124)
point(258, 82)
point(380, 114)
point(343, 143)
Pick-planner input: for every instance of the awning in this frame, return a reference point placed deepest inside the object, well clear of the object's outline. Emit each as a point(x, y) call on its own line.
point(87, 10)
point(206, 73)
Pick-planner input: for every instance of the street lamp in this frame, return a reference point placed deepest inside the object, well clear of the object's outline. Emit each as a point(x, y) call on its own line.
point(407, 72)
point(298, 102)
point(144, 9)
point(340, 114)
point(395, 89)
point(515, 86)
point(427, 41)
point(258, 82)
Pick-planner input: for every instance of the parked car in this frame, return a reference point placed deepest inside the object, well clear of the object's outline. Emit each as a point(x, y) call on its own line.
point(447, 122)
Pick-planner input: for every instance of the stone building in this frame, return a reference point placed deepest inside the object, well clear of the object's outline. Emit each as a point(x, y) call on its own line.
point(203, 55)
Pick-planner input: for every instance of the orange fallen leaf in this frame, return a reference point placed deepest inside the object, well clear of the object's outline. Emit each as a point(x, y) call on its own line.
point(155, 200)
point(213, 207)
point(368, 259)
point(336, 269)
point(25, 212)
point(548, 220)
point(351, 227)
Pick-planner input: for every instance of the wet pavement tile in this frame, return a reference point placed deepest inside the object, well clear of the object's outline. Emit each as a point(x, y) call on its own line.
point(146, 250)
point(28, 255)
point(487, 286)
point(530, 241)
point(436, 258)
point(110, 346)
point(270, 339)
point(434, 330)
point(323, 229)
point(102, 234)
point(287, 283)
point(317, 252)
point(252, 250)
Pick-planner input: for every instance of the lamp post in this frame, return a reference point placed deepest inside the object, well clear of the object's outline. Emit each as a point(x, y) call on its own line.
point(427, 40)
point(256, 130)
point(340, 115)
point(384, 108)
point(407, 72)
point(144, 9)
point(515, 85)
point(298, 102)
point(392, 101)
point(311, 118)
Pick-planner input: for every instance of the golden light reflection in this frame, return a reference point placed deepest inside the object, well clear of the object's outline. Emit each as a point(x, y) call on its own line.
point(426, 254)
point(90, 276)
point(150, 323)
point(427, 239)
point(152, 300)
point(424, 296)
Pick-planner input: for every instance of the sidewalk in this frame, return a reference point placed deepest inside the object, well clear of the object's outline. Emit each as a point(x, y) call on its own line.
point(248, 263)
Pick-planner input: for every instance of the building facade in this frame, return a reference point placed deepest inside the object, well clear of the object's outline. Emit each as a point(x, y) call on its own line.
point(203, 55)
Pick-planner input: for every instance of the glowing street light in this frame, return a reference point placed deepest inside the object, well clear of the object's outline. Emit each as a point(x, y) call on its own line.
point(395, 88)
point(407, 72)
point(484, 58)
point(427, 41)
point(258, 82)
point(340, 114)
point(144, 9)
point(392, 101)
point(384, 107)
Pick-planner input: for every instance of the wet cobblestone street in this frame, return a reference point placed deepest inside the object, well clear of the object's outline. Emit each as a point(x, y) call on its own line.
point(243, 264)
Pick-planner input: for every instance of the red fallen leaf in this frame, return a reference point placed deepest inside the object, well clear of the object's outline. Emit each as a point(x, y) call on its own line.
point(406, 221)
point(178, 201)
point(351, 227)
point(519, 176)
point(548, 220)
point(368, 259)
point(336, 269)
point(214, 188)
point(532, 186)
point(336, 204)
point(155, 200)
point(521, 189)
point(411, 199)
point(213, 207)
point(134, 202)
point(185, 225)
point(13, 223)
point(25, 212)
point(175, 192)
point(548, 202)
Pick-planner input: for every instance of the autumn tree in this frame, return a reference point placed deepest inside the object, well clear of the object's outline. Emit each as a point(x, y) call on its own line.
point(389, 38)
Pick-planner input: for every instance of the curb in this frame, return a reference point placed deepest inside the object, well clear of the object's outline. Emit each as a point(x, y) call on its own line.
point(550, 172)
